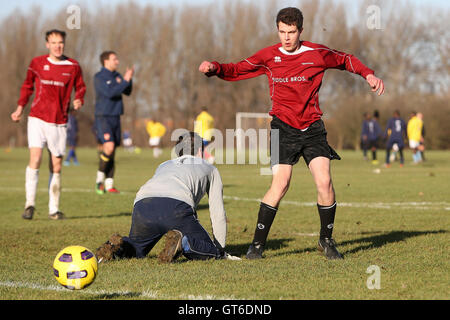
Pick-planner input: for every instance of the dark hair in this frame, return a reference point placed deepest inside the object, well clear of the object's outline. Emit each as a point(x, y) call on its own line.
point(55, 31)
point(105, 56)
point(376, 114)
point(290, 16)
point(189, 143)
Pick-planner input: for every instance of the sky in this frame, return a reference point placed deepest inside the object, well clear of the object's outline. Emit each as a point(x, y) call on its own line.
point(8, 6)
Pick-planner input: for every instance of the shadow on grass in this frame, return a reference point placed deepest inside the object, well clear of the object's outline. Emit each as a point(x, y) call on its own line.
point(385, 238)
point(118, 295)
point(271, 244)
point(110, 215)
point(373, 242)
point(239, 250)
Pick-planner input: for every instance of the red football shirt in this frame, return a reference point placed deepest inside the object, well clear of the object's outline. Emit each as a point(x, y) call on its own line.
point(54, 84)
point(294, 78)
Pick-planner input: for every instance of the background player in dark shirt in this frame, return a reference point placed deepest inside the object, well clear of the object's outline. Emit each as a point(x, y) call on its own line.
point(72, 139)
point(109, 87)
point(396, 133)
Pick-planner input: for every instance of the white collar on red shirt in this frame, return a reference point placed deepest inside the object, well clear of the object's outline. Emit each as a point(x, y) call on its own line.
point(302, 49)
point(60, 62)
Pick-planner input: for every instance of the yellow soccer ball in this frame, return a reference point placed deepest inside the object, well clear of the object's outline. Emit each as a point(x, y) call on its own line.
point(75, 267)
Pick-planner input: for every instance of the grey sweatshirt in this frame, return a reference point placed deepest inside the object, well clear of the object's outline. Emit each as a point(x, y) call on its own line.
point(187, 179)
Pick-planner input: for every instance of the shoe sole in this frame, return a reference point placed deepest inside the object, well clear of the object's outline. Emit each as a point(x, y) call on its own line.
point(56, 216)
point(107, 250)
point(172, 247)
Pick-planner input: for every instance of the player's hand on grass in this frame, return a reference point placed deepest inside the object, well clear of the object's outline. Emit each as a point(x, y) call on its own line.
point(228, 256)
point(77, 104)
point(129, 74)
point(16, 115)
point(376, 84)
point(207, 67)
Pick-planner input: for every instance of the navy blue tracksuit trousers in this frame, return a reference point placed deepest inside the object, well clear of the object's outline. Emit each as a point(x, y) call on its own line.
point(153, 217)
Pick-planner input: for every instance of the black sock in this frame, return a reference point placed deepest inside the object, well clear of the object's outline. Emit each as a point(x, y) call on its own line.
point(105, 163)
point(110, 172)
point(326, 214)
point(265, 218)
point(374, 155)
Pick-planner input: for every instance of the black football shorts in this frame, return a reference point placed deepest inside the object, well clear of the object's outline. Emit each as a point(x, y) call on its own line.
point(288, 144)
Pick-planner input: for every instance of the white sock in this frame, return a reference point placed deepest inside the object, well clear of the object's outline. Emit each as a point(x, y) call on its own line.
point(100, 177)
point(54, 190)
point(109, 183)
point(157, 152)
point(31, 182)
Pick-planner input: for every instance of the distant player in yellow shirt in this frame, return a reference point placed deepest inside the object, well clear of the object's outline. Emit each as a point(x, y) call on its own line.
point(203, 126)
point(414, 130)
point(155, 130)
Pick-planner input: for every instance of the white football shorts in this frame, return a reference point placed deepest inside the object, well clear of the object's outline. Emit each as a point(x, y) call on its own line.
point(41, 134)
point(413, 144)
point(154, 142)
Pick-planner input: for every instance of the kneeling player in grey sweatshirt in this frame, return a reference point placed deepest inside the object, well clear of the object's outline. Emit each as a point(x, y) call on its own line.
point(166, 205)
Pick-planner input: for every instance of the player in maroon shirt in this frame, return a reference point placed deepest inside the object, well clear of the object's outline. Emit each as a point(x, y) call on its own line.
point(54, 76)
point(295, 70)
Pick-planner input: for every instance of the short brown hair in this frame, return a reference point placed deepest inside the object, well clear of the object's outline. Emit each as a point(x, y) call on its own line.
point(189, 144)
point(55, 31)
point(105, 56)
point(290, 16)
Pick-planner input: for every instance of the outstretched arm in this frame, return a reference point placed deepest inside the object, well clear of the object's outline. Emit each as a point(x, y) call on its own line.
point(344, 61)
point(245, 69)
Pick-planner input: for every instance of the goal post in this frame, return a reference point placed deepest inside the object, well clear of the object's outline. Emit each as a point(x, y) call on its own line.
point(242, 125)
point(256, 127)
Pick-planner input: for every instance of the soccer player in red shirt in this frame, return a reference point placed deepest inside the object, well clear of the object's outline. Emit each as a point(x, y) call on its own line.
point(295, 69)
point(55, 76)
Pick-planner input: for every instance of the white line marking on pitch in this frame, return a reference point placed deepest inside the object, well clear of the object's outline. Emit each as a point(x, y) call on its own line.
point(377, 205)
point(424, 205)
point(145, 294)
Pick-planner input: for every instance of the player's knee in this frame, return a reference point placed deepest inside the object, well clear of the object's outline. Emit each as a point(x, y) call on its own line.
point(35, 160)
point(34, 163)
point(325, 187)
point(281, 186)
point(55, 167)
point(108, 148)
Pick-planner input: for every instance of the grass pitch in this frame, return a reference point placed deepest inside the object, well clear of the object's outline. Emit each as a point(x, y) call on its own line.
point(396, 219)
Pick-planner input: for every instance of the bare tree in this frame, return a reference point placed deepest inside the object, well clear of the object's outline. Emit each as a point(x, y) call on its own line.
point(410, 52)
